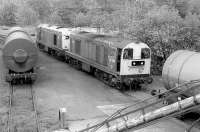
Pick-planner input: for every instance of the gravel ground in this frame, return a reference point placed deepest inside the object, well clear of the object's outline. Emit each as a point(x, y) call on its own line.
point(59, 85)
point(4, 92)
point(86, 99)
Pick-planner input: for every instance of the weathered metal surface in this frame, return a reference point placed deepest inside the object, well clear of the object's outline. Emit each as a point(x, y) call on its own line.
point(181, 66)
point(19, 51)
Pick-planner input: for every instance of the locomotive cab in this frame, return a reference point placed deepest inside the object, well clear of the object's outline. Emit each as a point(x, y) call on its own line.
point(135, 62)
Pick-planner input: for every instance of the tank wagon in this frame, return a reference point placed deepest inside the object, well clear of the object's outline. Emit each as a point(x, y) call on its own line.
point(19, 56)
point(116, 61)
point(181, 66)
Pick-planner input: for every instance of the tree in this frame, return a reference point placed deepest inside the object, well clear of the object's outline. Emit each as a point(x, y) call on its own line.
point(43, 8)
point(26, 16)
point(82, 19)
point(7, 13)
point(194, 6)
point(54, 18)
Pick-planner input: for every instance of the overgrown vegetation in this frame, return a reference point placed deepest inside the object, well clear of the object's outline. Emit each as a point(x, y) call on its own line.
point(165, 25)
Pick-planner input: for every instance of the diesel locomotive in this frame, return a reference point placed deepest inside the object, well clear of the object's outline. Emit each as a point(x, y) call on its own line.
point(19, 56)
point(116, 61)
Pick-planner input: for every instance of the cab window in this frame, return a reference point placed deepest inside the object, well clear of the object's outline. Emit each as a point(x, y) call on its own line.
point(55, 39)
point(145, 53)
point(128, 54)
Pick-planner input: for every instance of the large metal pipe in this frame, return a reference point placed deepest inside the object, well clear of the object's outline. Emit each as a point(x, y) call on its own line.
point(155, 114)
point(181, 66)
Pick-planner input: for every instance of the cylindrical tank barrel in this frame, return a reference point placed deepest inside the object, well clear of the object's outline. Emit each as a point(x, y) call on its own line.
point(181, 66)
point(19, 51)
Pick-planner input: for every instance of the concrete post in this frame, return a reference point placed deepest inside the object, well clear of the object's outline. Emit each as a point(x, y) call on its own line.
point(62, 116)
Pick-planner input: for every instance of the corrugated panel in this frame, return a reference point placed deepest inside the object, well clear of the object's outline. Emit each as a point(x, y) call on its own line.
point(73, 46)
point(49, 39)
point(84, 49)
point(102, 54)
point(98, 53)
point(94, 52)
point(90, 50)
point(77, 46)
point(105, 61)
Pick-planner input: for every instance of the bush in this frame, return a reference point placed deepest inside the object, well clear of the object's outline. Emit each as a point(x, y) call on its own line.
point(7, 14)
point(26, 16)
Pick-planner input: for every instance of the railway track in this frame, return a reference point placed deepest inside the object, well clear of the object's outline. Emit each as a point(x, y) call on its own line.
point(22, 115)
point(2, 38)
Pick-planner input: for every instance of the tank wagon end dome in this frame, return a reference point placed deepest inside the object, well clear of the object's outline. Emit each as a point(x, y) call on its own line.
point(16, 29)
point(19, 51)
point(181, 66)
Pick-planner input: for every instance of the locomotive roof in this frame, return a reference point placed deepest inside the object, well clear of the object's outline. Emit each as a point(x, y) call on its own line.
point(115, 41)
point(66, 30)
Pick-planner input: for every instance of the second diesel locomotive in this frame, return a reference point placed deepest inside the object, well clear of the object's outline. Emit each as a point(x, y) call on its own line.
point(118, 62)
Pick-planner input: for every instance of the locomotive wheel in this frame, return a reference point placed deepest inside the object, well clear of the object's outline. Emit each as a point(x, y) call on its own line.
point(120, 86)
point(149, 80)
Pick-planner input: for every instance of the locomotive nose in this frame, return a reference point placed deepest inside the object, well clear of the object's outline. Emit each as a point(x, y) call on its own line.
point(20, 55)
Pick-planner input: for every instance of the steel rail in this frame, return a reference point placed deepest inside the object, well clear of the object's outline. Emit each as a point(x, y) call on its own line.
point(34, 106)
point(9, 122)
point(38, 129)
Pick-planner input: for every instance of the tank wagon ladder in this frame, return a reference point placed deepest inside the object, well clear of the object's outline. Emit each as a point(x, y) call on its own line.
point(124, 116)
point(11, 109)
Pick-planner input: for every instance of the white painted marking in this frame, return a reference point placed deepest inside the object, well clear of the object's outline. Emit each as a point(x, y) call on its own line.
point(110, 109)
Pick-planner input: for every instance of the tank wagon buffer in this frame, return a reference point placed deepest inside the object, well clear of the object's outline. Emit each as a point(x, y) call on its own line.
point(19, 56)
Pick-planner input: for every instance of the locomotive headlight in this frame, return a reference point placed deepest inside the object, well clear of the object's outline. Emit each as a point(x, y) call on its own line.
point(138, 63)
